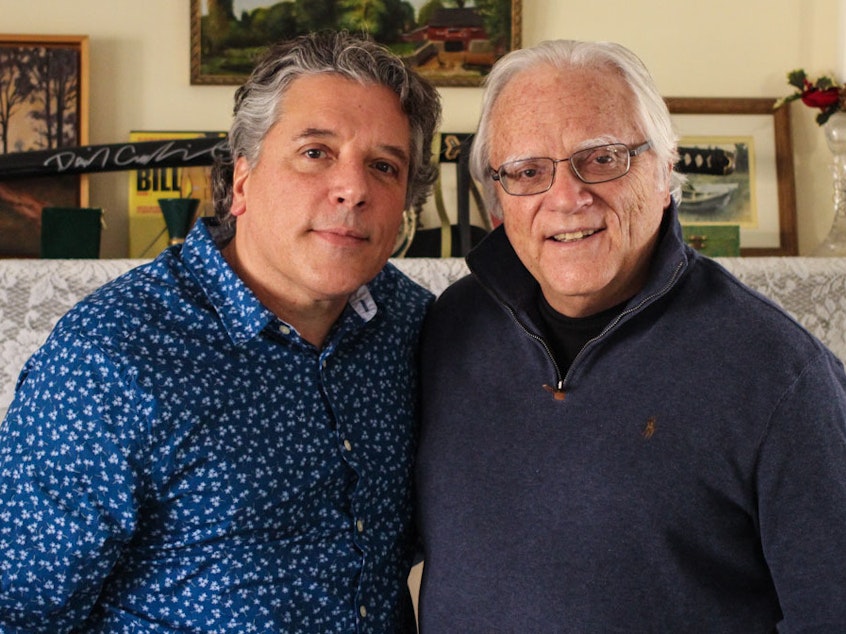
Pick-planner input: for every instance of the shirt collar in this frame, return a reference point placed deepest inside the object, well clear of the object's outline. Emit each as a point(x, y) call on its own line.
point(241, 313)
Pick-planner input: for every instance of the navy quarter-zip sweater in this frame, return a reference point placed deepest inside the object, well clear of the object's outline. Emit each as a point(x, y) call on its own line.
point(692, 479)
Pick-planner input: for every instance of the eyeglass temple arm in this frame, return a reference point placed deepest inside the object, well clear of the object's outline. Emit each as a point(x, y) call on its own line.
point(640, 149)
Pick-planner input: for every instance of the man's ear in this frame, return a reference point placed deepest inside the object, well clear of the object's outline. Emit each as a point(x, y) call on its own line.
point(669, 186)
point(240, 184)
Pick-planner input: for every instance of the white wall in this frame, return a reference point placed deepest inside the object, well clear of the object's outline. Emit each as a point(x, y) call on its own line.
point(140, 78)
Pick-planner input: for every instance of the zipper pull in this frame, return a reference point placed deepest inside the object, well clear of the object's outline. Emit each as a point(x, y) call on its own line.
point(557, 392)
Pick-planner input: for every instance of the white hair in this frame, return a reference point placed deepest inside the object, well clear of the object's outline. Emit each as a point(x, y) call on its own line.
point(650, 109)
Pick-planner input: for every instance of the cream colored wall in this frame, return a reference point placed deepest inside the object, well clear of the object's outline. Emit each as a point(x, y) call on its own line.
point(721, 48)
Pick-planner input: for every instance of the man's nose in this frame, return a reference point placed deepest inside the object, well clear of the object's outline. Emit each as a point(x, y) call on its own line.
point(567, 188)
point(349, 183)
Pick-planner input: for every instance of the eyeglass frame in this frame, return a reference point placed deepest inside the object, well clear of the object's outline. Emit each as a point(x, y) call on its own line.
point(496, 175)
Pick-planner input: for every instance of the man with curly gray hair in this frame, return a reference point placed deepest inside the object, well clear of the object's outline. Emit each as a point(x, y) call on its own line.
point(225, 435)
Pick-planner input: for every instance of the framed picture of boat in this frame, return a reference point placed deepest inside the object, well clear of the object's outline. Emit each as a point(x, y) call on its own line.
point(450, 43)
point(738, 160)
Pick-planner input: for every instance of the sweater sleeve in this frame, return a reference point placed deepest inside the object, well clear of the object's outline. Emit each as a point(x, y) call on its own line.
point(69, 482)
point(802, 498)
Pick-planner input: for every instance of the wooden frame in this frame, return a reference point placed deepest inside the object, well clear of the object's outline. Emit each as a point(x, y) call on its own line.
point(43, 105)
point(451, 52)
point(734, 120)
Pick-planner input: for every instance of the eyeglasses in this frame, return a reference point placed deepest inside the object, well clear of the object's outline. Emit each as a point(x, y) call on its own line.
point(599, 164)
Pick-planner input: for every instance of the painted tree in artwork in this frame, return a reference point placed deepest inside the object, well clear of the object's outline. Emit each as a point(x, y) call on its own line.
point(216, 25)
point(316, 15)
point(385, 20)
point(428, 10)
point(362, 15)
point(56, 75)
point(496, 14)
point(265, 25)
point(15, 86)
point(43, 83)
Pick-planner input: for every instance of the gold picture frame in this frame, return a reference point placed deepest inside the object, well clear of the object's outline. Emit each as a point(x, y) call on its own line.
point(456, 49)
point(45, 108)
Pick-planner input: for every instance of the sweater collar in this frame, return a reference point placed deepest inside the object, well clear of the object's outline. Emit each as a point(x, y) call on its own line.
point(496, 266)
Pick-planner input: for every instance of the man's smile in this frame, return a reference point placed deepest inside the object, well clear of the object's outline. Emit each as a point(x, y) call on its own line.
point(572, 236)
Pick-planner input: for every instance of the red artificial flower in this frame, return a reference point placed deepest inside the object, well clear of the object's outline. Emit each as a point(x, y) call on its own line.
point(821, 99)
point(824, 93)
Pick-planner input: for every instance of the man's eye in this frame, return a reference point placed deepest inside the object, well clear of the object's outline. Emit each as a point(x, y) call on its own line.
point(386, 168)
point(315, 153)
point(524, 172)
point(602, 158)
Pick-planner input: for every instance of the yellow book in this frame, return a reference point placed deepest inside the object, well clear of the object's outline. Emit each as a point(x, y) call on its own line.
point(147, 231)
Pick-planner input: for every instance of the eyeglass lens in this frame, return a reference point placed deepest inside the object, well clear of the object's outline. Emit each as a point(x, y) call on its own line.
point(592, 165)
point(595, 165)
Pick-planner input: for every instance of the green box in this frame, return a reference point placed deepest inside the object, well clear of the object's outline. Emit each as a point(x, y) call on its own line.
point(71, 232)
point(713, 240)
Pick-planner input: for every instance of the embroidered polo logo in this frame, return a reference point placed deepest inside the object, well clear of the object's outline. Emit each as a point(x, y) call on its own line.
point(649, 429)
point(557, 392)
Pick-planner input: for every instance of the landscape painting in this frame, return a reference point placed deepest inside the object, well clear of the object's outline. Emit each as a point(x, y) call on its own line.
point(451, 42)
point(43, 106)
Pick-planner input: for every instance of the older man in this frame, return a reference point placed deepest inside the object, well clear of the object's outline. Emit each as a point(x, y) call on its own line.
point(617, 434)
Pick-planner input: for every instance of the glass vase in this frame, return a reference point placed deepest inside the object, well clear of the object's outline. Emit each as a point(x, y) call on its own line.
point(834, 244)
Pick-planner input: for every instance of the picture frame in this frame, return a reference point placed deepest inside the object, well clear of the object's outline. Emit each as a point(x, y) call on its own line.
point(449, 46)
point(46, 108)
point(759, 136)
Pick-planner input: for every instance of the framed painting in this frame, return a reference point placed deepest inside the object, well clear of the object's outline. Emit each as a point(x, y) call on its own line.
point(43, 106)
point(737, 156)
point(451, 46)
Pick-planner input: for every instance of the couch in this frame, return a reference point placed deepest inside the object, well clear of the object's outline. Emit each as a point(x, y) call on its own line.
point(35, 293)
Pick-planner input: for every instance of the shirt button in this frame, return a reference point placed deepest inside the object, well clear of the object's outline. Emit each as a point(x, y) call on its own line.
point(347, 445)
point(362, 611)
point(285, 329)
point(360, 526)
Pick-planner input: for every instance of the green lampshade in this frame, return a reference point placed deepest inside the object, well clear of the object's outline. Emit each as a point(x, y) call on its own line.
point(179, 216)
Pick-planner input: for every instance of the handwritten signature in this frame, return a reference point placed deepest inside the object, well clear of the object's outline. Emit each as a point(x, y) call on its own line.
point(128, 156)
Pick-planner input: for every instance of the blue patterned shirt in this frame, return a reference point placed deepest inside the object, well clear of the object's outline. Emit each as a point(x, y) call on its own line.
point(178, 458)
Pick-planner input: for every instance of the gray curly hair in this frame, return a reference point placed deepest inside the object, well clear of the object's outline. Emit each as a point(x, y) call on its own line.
point(258, 102)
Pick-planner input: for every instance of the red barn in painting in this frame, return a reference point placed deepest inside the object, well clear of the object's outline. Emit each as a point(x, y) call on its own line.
point(456, 28)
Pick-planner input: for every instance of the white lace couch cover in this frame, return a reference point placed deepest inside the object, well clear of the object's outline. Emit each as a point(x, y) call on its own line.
point(35, 293)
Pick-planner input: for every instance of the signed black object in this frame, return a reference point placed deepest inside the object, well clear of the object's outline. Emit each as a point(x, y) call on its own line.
point(113, 157)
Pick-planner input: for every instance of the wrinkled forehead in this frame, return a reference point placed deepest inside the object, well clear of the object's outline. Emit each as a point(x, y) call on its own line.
point(544, 109)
